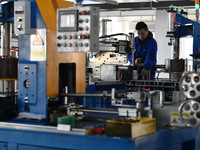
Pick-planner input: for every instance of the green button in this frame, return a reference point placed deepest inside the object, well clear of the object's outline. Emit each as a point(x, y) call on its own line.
point(86, 20)
point(64, 45)
point(86, 44)
point(64, 37)
point(80, 44)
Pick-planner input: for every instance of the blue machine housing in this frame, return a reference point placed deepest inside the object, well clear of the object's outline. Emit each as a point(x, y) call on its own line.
point(187, 27)
point(36, 73)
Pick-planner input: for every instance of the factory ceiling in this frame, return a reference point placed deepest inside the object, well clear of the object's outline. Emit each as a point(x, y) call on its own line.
point(125, 5)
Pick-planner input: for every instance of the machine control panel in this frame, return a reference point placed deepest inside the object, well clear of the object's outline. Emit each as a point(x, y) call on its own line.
point(22, 16)
point(78, 29)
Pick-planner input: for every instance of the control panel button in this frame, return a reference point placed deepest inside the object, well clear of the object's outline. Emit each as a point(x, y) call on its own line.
point(75, 37)
point(69, 37)
point(69, 44)
point(81, 28)
point(86, 28)
point(85, 12)
point(75, 44)
point(80, 44)
point(59, 37)
point(81, 21)
point(85, 36)
point(86, 20)
point(64, 45)
point(64, 37)
point(59, 45)
point(86, 44)
point(80, 37)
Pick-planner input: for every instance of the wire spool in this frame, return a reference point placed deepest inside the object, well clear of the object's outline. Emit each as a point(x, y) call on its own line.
point(189, 112)
point(190, 85)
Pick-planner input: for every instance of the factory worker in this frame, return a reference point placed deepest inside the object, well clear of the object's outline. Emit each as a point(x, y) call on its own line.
point(146, 50)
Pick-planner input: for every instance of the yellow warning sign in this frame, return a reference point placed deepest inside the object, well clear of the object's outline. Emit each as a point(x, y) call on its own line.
point(38, 40)
point(174, 121)
point(40, 53)
point(176, 114)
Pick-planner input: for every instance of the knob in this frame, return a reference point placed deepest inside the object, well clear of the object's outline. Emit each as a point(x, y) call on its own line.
point(19, 19)
point(19, 27)
point(59, 45)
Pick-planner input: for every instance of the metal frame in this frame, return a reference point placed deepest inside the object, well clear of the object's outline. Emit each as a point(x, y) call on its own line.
point(167, 139)
point(141, 5)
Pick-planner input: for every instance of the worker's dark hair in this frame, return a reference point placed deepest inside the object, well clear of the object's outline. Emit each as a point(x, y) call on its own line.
point(141, 25)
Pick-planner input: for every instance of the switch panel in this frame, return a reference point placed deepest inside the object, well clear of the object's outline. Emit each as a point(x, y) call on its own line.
point(78, 29)
point(22, 16)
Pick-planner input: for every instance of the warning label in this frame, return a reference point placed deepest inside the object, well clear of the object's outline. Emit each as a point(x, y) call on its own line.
point(175, 119)
point(38, 40)
point(38, 46)
point(38, 53)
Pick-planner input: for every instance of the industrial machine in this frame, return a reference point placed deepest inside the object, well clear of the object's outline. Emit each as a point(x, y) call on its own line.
point(77, 90)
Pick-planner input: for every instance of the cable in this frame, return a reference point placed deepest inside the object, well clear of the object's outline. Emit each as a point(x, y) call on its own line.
point(120, 76)
point(174, 18)
point(106, 36)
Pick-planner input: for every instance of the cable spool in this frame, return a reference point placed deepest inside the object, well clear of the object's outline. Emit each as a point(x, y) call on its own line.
point(189, 112)
point(190, 85)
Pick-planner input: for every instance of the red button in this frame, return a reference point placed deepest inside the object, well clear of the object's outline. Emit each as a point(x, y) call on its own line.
point(84, 36)
point(84, 12)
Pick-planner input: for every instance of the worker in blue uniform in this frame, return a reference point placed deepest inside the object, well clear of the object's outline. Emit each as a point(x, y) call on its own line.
point(146, 50)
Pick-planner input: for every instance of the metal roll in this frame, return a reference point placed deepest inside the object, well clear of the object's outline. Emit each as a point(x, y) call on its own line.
point(189, 112)
point(190, 85)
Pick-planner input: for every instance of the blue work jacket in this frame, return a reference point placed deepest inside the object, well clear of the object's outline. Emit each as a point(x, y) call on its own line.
point(146, 50)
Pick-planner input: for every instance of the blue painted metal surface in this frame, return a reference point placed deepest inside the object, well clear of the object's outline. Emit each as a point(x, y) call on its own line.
point(186, 27)
point(7, 12)
point(79, 1)
point(167, 139)
point(36, 74)
point(100, 102)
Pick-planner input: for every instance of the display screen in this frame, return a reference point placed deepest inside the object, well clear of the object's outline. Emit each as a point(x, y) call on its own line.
point(67, 21)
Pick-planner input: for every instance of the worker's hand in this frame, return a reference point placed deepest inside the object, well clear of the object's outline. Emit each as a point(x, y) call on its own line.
point(143, 72)
point(138, 60)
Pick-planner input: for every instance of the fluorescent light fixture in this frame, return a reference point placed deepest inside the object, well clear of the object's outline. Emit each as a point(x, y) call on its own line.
point(4, 2)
